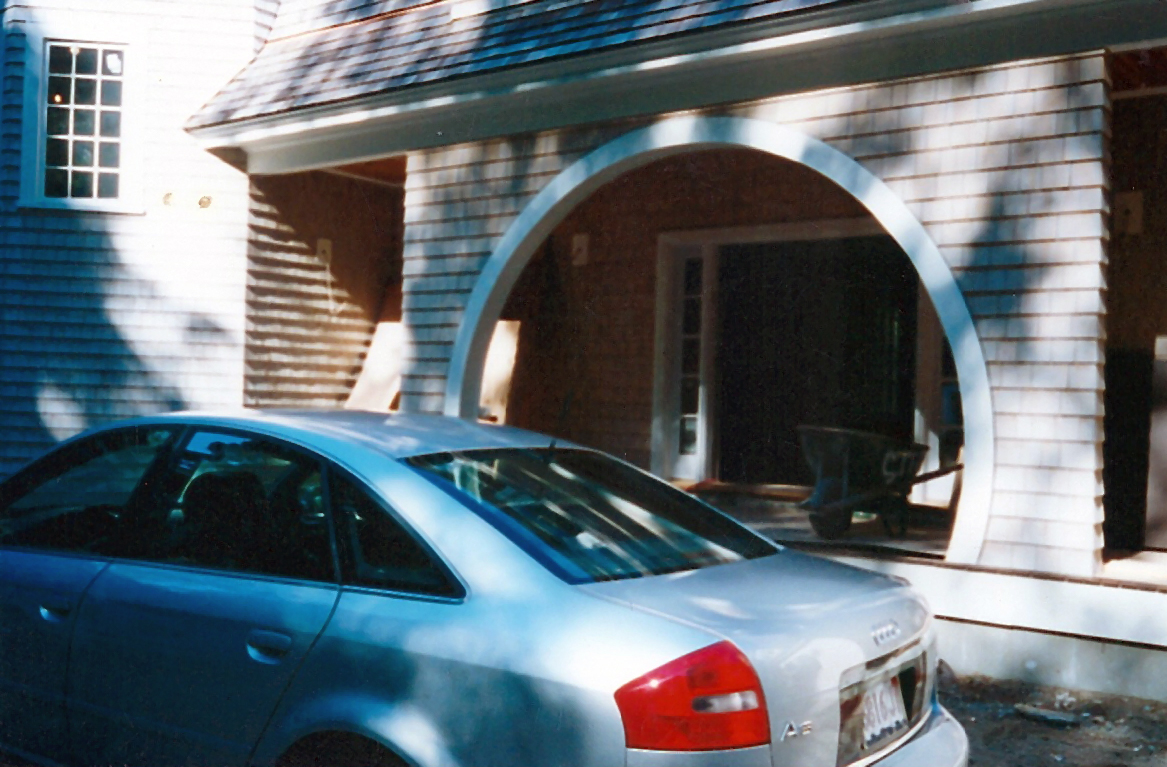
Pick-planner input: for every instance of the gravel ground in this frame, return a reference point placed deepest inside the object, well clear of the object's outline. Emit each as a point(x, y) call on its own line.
point(1109, 731)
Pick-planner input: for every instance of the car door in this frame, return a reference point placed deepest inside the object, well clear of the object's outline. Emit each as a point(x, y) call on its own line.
point(183, 649)
point(59, 519)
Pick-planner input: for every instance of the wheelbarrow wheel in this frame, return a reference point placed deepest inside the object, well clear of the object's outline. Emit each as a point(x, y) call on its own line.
point(830, 524)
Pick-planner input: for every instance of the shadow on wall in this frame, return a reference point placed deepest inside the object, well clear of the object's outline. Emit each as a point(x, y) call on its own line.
point(66, 364)
point(84, 339)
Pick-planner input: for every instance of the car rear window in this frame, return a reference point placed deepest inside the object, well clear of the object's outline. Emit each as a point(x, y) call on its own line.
point(589, 517)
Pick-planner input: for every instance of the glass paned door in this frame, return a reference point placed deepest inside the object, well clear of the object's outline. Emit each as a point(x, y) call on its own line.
point(685, 363)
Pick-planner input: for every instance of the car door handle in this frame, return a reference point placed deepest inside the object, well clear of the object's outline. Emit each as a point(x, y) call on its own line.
point(268, 646)
point(55, 611)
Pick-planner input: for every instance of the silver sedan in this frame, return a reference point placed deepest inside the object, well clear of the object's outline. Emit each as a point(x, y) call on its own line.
point(355, 589)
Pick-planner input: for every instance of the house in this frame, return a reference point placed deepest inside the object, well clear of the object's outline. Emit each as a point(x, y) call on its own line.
point(706, 223)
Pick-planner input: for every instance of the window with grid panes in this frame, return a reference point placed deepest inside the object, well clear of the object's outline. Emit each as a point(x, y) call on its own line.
point(83, 121)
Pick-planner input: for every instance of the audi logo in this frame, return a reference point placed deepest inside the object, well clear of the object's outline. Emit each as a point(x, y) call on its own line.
point(885, 632)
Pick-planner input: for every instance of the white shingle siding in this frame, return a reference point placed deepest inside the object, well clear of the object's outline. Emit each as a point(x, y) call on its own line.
point(1006, 169)
point(112, 315)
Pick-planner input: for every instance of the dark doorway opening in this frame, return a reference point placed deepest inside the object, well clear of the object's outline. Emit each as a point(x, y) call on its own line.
point(818, 332)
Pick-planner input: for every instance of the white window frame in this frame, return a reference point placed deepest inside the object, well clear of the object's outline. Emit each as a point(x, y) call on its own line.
point(672, 249)
point(46, 28)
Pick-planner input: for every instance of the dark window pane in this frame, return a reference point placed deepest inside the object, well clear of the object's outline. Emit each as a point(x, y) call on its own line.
point(690, 395)
point(83, 122)
point(248, 505)
point(692, 320)
point(107, 186)
point(58, 122)
point(85, 91)
point(111, 124)
point(59, 90)
point(379, 550)
point(82, 185)
point(690, 356)
point(56, 183)
point(113, 63)
point(688, 436)
point(60, 60)
point(57, 152)
point(588, 517)
point(111, 93)
point(109, 156)
point(79, 498)
point(83, 153)
point(87, 61)
point(693, 276)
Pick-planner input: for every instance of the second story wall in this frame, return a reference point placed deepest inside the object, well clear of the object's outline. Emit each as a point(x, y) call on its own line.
point(125, 303)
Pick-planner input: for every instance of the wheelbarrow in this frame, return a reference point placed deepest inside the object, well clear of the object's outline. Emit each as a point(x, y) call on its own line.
point(858, 470)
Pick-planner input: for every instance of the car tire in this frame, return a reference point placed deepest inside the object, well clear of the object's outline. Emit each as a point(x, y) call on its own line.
point(339, 749)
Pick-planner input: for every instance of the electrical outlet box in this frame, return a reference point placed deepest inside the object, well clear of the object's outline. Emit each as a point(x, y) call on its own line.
point(579, 250)
point(1128, 212)
point(324, 249)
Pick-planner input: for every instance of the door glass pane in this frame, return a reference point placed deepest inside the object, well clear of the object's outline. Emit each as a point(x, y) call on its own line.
point(688, 436)
point(79, 498)
point(690, 395)
point(246, 504)
point(691, 356)
point(691, 324)
point(693, 269)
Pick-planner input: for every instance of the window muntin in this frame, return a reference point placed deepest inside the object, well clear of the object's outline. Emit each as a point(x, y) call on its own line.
point(378, 550)
point(83, 121)
point(78, 498)
point(588, 517)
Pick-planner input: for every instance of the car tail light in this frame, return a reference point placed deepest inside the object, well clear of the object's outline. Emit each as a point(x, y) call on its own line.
point(707, 700)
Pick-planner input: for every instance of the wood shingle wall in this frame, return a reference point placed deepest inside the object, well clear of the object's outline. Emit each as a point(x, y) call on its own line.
point(106, 315)
point(322, 252)
point(1006, 167)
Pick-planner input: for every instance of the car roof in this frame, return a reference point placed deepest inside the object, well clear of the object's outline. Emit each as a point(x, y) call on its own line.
point(397, 435)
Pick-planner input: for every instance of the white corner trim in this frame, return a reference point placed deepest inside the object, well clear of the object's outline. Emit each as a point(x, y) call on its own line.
point(683, 134)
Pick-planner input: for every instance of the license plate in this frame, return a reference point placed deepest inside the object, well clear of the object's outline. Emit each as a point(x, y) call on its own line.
point(883, 711)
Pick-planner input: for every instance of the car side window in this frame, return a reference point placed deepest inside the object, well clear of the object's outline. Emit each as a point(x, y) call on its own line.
point(247, 504)
point(77, 498)
point(378, 550)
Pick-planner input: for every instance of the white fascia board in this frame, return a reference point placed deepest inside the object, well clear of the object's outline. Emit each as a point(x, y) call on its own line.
point(558, 94)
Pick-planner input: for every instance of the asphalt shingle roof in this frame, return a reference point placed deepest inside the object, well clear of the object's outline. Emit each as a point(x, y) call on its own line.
point(344, 50)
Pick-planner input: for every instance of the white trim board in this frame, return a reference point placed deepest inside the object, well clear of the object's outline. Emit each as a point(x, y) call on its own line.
point(1042, 604)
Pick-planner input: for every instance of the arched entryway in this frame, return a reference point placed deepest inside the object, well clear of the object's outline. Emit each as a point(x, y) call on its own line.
point(685, 134)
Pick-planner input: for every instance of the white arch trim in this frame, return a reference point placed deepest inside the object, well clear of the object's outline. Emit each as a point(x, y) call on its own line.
point(684, 134)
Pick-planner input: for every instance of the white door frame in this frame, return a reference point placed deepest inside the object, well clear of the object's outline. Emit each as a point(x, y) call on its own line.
point(673, 248)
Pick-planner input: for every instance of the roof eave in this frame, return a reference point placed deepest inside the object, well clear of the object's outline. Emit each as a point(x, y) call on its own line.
point(654, 79)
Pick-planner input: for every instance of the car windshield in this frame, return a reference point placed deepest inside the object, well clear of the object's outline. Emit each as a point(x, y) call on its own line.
point(588, 517)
